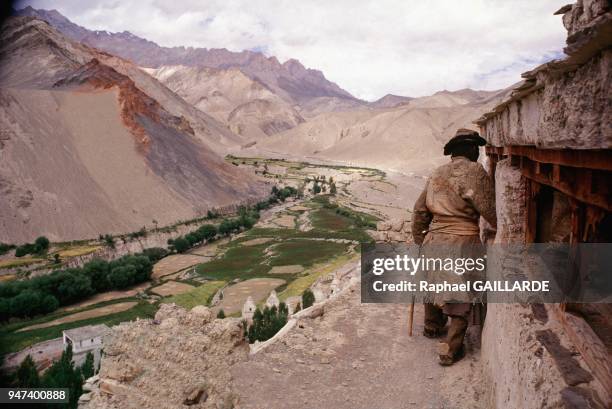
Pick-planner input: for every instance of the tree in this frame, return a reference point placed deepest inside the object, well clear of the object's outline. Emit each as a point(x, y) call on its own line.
point(25, 304)
point(122, 276)
point(97, 270)
point(48, 304)
point(308, 298)
point(5, 309)
point(5, 248)
point(207, 231)
point(42, 244)
point(267, 323)
point(227, 226)
point(316, 189)
point(155, 254)
point(87, 369)
point(109, 240)
point(25, 249)
point(27, 375)
point(193, 238)
point(74, 286)
point(221, 314)
point(62, 374)
point(181, 245)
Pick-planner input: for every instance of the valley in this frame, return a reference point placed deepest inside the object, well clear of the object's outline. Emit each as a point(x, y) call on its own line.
point(291, 246)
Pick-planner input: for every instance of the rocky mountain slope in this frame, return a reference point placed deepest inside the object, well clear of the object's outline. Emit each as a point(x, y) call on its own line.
point(88, 149)
point(290, 80)
point(389, 101)
point(406, 138)
point(247, 106)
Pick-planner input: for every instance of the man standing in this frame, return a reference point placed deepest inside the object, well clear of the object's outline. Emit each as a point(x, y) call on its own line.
point(447, 214)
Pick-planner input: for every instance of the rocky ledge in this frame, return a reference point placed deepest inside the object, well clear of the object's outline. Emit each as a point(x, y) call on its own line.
point(180, 358)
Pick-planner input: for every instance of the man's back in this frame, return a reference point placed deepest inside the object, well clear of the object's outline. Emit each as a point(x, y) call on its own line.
point(456, 195)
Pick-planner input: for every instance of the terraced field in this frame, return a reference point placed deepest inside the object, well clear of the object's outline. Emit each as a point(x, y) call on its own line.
point(291, 246)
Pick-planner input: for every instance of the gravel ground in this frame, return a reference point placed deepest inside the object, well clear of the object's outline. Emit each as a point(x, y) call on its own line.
point(357, 356)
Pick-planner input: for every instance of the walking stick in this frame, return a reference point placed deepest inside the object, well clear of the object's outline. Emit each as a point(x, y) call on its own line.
point(410, 316)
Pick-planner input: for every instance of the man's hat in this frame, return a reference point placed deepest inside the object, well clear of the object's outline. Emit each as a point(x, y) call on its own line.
point(464, 137)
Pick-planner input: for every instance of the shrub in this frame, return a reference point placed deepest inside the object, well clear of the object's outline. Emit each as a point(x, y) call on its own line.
point(308, 298)
point(221, 314)
point(5, 248)
point(108, 240)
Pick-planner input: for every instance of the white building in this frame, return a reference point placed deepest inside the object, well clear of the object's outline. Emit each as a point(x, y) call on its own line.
point(89, 338)
point(248, 309)
point(272, 300)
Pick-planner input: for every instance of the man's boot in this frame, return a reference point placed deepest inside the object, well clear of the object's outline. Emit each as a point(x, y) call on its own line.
point(453, 350)
point(435, 320)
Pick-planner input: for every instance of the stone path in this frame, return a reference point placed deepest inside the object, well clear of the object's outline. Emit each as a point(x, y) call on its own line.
point(357, 356)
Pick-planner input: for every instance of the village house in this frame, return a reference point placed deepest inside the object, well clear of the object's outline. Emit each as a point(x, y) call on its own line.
point(89, 338)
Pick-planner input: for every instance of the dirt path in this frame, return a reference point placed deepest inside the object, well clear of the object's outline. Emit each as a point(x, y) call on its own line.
point(357, 356)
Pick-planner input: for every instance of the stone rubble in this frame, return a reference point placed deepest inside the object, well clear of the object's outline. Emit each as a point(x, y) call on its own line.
point(180, 358)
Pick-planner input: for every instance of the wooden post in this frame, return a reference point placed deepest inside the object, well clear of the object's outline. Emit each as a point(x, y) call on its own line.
point(410, 317)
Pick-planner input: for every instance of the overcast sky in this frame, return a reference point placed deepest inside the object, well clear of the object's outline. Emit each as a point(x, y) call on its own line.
point(369, 48)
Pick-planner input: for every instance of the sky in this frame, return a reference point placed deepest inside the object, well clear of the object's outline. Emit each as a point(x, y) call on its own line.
point(369, 48)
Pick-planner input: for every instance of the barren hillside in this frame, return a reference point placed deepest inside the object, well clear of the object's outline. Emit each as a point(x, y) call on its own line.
point(407, 138)
point(85, 151)
point(247, 106)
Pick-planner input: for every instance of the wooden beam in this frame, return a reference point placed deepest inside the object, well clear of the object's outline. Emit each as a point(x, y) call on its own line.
point(531, 214)
point(577, 158)
point(577, 183)
point(591, 348)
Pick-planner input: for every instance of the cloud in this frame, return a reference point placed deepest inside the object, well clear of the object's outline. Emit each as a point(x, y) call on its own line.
point(369, 48)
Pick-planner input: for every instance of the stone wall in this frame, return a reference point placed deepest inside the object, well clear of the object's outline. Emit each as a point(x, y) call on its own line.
point(528, 361)
point(396, 230)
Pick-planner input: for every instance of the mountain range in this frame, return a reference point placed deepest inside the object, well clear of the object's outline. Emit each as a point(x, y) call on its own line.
point(91, 144)
point(291, 80)
point(116, 132)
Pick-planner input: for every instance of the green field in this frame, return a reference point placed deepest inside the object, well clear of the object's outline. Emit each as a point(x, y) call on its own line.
point(11, 341)
point(305, 252)
point(202, 295)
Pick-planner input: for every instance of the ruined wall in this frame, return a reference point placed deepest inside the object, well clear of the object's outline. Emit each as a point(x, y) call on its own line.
point(563, 103)
point(572, 110)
